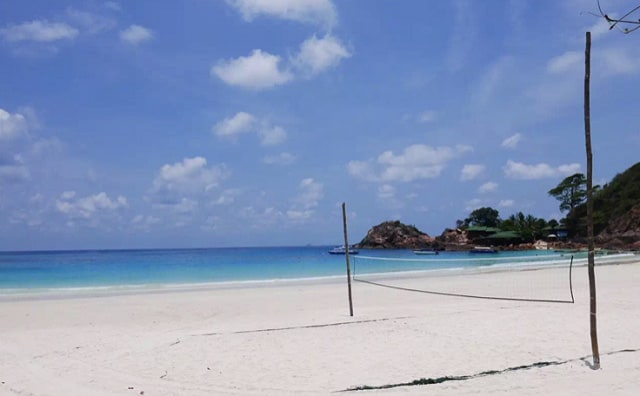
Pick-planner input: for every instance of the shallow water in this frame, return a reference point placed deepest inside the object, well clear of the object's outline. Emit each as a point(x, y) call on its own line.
point(21, 271)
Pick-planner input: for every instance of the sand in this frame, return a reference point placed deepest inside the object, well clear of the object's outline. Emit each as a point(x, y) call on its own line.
point(298, 338)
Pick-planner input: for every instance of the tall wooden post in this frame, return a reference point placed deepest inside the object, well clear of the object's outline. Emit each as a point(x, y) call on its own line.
point(346, 255)
point(591, 258)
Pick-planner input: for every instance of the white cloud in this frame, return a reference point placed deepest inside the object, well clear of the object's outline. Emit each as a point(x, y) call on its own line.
point(185, 206)
point(136, 34)
point(512, 141)
point(191, 176)
point(518, 170)
point(471, 171)
point(570, 61)
point(241, 122)
point(386, 191)
point(12, 126)
point(320, 12)
point(599, 28)
point(39, 31)
point(427, 116)
point(272, 135)
point(88, 206)
point(488, 187)
point(261, 218)
point(506, 203)
point(473, 204)
point(317, 55)
point(144, 222)
point(309, 195)
point(463, 36)
point(113, 6)
point(68, 195)
point(90, 22)
point(361, 170)
point(260, 70)
point(617, 61)
point(416, 162)
point(280, 159)
point(493, 78)
point(227, 197)
point(299, 215)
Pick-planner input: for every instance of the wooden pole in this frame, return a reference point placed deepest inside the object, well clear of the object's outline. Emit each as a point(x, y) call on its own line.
point(591, 258)
point(346, 255)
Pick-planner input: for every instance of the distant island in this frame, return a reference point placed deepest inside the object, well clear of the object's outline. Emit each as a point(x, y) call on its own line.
point(616, 218)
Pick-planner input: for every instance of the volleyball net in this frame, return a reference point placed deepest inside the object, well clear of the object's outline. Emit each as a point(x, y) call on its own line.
point(545, 278)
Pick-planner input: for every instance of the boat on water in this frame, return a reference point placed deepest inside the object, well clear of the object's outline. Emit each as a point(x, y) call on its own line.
point(483, 249)
point(426, 252)
point(343, 250)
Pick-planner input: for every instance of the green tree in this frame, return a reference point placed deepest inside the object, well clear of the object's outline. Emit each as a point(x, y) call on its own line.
point(529, 227)
point(483, 217)
point(571, 192)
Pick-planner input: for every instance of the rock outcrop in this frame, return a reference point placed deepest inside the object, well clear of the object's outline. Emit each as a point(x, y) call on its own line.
point(395, 235)
point(622, 232)
point(454, 239)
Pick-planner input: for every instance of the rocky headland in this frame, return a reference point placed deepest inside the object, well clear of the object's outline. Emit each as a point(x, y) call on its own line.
point(396, 235)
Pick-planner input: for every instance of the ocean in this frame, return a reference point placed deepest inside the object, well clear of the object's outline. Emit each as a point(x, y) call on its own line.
point(100, 269)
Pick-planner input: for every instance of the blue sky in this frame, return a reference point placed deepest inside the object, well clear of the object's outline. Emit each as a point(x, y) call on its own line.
point(139, 124)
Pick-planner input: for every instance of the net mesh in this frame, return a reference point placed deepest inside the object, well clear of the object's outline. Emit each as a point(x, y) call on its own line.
point(529, 278)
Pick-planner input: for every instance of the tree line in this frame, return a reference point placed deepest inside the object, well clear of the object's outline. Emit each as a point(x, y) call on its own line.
point(570, 192)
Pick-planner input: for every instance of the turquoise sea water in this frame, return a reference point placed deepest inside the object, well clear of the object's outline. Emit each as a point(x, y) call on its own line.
point(23, 271)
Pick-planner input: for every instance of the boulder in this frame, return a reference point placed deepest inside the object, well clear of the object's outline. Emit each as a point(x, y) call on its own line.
point(396, 235)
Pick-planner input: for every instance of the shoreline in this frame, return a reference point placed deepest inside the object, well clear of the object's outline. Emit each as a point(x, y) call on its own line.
point(299, 339)
point(57, 293)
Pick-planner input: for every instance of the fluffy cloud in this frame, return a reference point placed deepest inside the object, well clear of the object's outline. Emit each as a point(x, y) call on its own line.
point(317, 55)
point(242, 122)
point(227, 197)
point(610, 61)
point(512, 141)
point(135, 35)
point(272, 135)
point(386, 191)
point(39, 31)
point(506, 203)
point(416, 162)
point(12, 126)
point(488, 187)
point(518, 170)
point(320, 12)
point(570, 61)
point(310, 193)
point(260, 70)
point(471, 171)
point(88, 206)
point(473, 204)
point(190, 176)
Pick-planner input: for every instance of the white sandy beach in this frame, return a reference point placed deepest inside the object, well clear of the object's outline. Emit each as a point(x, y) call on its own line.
point(300, 339)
